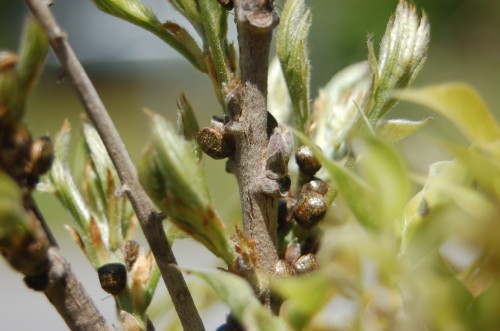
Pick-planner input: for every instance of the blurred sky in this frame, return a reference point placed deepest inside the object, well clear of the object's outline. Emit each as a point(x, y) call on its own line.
point(132, 70)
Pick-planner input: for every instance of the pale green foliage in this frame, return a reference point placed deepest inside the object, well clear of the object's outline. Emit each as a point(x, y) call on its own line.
point(398, 129)
point(104, 219)
point(292, 52)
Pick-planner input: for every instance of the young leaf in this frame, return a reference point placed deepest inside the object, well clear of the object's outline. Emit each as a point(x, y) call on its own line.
point(292, 53)
point(187, 123)
point(403, 52)
point(142, 16)
point(398, 129)
point(336, 110)
point(240, 297)
point(461, 105)
point(176, 182)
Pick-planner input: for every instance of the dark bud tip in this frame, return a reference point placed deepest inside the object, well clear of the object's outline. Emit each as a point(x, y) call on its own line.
point(307, 162)
point(215, 143)
point(113, 277)
point(306, 264)
point(309, 209)
point(37, 282)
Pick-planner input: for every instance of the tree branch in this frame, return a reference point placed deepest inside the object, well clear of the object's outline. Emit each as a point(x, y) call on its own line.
point(251, 128)
point(148, 218)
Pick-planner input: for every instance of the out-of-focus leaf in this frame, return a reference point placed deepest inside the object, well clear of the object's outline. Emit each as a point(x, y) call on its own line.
point(13, 219)
point(398, 129)
point(292, 53)
point(177, 183)
point(484, 169)
point(11, 99)
point(305, 296)
point(461, 105)
point(336, 109)
point(188, 9)
point(278, 99)
point(386, 174)
point(240, 298)
point(142, 16)
point(482, 313)
point(32, 54)
point(358, 195)
point(188, 125)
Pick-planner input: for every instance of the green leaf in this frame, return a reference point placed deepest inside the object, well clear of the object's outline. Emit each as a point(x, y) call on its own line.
point(142, 16)
point(292, 53)
point(176, 182)
point(240, 298)
point(305, 297)
point(188, 125)
point(32, 54)
point(462, 106)
point(398, 129)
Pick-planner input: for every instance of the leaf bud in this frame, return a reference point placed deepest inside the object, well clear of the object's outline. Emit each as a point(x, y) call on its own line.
point(113, 277)
point(309, 209)
point(306, 264)
point(307, 162)
point(131, 253)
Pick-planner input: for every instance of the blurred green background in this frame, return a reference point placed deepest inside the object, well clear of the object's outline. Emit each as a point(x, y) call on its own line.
point(133, 70)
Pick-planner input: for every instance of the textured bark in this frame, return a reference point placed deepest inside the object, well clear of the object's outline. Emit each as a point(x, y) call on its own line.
point(247, 107)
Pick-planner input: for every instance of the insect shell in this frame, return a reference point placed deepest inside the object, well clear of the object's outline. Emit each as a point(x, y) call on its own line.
point(309, 209)
point(214, 143)
point(41, 156)
point(307, 162)
point(113, 277)
point(306, 264)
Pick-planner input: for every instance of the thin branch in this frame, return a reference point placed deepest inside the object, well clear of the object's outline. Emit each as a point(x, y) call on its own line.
point(148, 218)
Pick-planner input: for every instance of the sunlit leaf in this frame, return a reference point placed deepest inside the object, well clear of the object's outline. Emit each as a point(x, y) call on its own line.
point(398, 129)
point(461, 105)
point(240, 298)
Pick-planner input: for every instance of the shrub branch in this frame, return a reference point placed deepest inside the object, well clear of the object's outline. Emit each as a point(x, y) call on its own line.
point(149, 220)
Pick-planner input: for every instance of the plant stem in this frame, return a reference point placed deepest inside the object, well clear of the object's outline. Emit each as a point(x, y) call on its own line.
point(255, 21)
point(148, 218)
